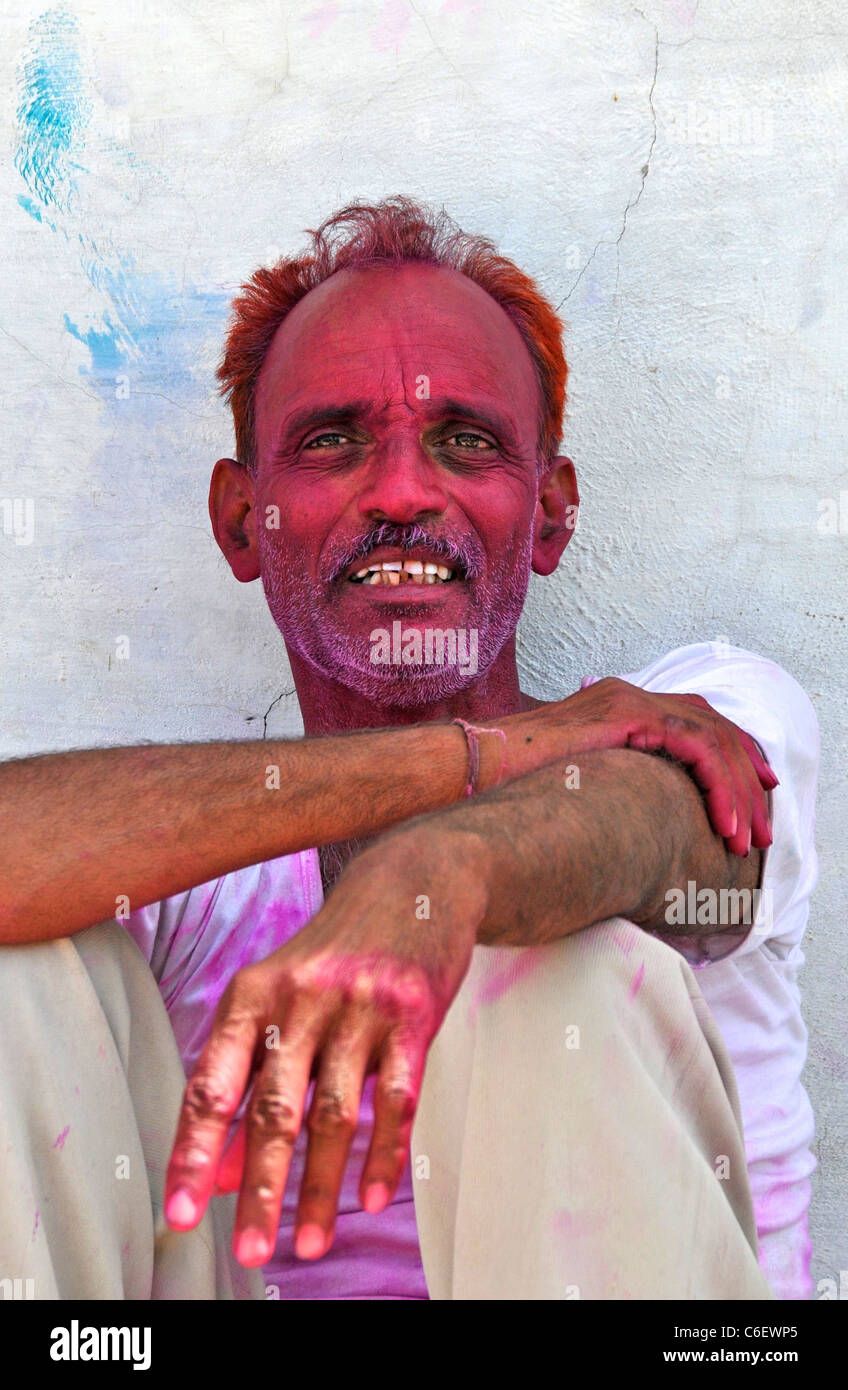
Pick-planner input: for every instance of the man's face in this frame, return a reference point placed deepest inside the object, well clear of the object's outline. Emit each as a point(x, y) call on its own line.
point(397, 418)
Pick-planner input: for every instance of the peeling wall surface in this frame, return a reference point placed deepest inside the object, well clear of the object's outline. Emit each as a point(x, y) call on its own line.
point(673, 177)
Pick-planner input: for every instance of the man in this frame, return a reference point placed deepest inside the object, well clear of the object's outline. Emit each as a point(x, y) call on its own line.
point(511, 888)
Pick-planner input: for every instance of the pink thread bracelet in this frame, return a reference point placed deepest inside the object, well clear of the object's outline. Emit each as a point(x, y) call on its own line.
point(471, 732)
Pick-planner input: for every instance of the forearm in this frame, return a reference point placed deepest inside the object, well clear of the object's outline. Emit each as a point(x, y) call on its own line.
point(82, 830)
point(556, 859)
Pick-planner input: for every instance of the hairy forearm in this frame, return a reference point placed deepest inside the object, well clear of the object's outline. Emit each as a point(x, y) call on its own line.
point(83, 831)
point(557, 857)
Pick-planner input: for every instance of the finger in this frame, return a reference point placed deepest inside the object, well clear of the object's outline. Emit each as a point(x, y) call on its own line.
point(757, 798)
point(746, 788)
point(696, 746)
point(272, 1124)
point(231, 1167)
point(764, 772)
point(332, 1121)
point(212, 1097)
point(396, 1095)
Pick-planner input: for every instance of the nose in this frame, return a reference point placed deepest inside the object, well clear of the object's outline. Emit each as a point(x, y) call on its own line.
point(403, 485)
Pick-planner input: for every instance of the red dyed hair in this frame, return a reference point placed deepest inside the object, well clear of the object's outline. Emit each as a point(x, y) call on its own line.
point(392, 232)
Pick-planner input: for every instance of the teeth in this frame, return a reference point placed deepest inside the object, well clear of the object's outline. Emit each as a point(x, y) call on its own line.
point(404, 571)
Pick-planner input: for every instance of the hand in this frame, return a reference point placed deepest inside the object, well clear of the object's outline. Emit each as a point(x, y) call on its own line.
point(363, 988)
point(722, 759)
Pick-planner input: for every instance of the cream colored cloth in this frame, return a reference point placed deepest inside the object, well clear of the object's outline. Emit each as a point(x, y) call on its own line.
point(579, 1127)
point(90, 1089)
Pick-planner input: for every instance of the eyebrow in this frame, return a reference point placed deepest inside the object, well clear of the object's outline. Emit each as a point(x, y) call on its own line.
point(348, 413)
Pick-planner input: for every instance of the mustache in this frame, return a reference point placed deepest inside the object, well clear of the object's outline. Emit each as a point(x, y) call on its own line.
point(464, 556)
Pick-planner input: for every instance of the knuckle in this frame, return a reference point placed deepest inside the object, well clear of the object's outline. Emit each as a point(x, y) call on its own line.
point(697, 700)
point(206, 1098)
point(399, 1100)
point(274, 1116)
point(331, 1113)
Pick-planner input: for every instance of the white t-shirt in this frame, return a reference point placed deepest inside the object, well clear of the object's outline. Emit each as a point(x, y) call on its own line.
point(196, 941)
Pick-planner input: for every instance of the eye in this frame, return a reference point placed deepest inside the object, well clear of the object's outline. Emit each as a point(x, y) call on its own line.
point(469, 439)
point(331, 435)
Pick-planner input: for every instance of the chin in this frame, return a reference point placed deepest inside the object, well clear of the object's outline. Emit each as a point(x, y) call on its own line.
point(399, 687)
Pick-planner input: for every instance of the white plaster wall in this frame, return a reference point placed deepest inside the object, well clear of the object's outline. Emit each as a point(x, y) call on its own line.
point(671, 174)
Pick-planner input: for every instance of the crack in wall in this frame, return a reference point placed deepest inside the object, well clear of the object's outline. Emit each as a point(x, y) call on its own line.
point(634, 201)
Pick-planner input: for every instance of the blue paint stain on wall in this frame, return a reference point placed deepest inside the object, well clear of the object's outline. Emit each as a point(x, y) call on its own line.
point(53, 112)
point(150, 328)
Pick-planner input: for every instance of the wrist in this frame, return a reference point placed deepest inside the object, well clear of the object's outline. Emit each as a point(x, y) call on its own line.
point(442, 868)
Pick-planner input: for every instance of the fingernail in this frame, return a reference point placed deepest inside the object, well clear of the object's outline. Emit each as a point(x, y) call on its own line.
point(252, 1247)
point(181, 1209)
point(309, 1242)
point(376, 1197)
point(733, 823)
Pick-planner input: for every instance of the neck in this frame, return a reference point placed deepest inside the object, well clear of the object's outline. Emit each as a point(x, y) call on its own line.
point(328, 707)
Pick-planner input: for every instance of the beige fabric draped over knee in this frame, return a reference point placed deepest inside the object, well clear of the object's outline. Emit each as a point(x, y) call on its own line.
point(580, 1124)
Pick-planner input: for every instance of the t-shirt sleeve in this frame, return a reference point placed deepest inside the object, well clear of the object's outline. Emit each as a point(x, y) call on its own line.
point(768, 703)
point(167, 933)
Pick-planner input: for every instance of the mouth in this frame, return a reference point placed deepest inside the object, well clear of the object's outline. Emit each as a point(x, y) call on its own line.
point(407, 570)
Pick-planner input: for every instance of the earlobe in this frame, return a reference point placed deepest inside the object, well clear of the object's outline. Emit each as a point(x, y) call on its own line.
point(556, 515)
point(231, 509)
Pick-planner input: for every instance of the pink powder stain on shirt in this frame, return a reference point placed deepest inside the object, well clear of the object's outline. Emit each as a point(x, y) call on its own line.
point(101, 1050)
point(59, 1141)
point(500, 981)
point(636, 982)
point(35, 1225)
point(576, 1225)
point(624, 943)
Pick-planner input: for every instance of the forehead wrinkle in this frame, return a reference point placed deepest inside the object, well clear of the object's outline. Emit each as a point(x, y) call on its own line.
point(438, 335)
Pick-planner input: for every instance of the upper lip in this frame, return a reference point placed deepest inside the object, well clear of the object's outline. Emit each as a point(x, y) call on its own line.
point(388, 552)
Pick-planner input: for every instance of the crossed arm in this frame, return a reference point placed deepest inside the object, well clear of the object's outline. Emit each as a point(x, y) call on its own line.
point(365, 985)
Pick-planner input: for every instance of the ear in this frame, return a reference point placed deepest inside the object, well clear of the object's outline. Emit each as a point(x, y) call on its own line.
point(556, 515)
point(231, 507)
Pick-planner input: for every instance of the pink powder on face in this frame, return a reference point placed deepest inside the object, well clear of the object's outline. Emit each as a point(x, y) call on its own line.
point(59, 1141)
